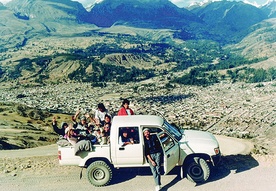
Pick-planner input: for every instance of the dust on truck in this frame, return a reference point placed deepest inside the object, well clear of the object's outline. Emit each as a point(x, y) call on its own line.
point(195, 151)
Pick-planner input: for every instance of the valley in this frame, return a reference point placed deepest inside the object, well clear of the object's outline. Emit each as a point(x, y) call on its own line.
point(237, 110)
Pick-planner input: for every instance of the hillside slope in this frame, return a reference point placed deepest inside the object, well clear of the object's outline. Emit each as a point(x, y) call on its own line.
point(261, 42)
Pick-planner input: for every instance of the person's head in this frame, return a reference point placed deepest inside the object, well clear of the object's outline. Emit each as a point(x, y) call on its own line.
point(101, 107)
point(69, 131)
point(146, 132)
point(64, 125)
point(98, 131)
point(107, 128)
point(107, 118)
point(83, 120)
point(124, 133)
point(125, 103)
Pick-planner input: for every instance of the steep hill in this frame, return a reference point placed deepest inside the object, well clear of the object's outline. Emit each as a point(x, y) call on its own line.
point(48, 10)
point(46, 17)
point(270, 9)
point(261, 42)
point(12, 30)
point(229, 19)
point(22, 20)
point(141, 13)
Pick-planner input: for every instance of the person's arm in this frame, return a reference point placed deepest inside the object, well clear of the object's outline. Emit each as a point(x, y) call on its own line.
point(151, 160)
point(74, 118)
point(91, 119)
point(131, 111)
point(147, 153)
point(55, 127)
point(122, 143)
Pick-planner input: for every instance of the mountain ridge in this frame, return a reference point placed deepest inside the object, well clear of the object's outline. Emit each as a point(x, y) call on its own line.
point(63, 35)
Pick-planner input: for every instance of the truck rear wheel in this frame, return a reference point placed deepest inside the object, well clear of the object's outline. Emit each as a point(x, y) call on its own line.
point(99, 173)
point(198, 170)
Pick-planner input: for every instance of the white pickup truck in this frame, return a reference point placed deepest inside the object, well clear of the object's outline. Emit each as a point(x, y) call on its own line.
point(194, 151)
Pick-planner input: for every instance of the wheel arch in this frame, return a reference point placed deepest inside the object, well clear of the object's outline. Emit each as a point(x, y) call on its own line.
point(89, 161)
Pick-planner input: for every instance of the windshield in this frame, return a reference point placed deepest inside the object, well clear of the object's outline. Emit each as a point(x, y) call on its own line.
point(173, 131)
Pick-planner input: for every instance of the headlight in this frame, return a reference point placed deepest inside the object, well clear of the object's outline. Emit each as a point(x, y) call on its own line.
point(217, 151)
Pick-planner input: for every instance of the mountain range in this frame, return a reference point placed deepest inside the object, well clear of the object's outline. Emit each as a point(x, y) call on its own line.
point(223, 21)
point(25, 22)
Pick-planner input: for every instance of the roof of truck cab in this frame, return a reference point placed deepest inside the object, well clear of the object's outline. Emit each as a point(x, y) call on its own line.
point(137, 120)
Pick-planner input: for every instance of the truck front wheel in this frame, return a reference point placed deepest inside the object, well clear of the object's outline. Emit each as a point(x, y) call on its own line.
point(99, 173)
point(197, 170)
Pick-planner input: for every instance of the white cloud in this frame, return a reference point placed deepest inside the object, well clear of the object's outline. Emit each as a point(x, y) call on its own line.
point(5, 1)
point(180, 3)
point(185, 3)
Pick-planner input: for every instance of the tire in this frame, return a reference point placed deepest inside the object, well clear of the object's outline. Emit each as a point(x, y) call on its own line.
point(198, 170)
point(99, 173)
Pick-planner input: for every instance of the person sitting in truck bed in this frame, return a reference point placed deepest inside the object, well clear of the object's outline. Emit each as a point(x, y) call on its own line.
point(81, 128)
point(100, 114)
point(71, 135)
point(60, 131)
point(99, 135)
point(106, 130)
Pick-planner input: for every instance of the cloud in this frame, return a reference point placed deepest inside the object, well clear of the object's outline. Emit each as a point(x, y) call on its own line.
point(5, 1)
point(179, 3)
point(185, 3)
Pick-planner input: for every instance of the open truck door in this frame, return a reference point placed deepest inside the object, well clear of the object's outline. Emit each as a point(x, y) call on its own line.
point(171, 151)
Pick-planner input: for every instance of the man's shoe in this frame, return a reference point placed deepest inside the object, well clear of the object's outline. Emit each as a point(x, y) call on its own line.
point(157, 188)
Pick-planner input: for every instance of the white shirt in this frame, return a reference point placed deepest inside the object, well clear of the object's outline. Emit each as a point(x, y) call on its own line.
point(100, 115)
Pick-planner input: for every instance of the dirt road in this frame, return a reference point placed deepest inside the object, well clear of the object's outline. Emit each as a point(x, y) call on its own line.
point(38, 169)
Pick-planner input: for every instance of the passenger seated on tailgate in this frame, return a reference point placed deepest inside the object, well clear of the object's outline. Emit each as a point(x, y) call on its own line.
point(70, 135)
point(60, 131)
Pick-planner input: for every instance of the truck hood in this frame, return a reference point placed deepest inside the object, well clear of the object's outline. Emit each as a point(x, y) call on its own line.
point(198, 141)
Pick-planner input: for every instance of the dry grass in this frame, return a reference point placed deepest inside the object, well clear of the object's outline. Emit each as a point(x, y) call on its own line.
point(24, 132)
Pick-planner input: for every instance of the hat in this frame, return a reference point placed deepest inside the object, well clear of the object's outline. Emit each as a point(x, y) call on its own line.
point(83, 118)
point(146, 129)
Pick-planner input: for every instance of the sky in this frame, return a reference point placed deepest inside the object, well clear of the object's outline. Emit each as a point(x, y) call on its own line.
point(179, 3)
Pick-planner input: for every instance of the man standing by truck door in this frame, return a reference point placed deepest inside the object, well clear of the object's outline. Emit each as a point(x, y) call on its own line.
point(153, 152)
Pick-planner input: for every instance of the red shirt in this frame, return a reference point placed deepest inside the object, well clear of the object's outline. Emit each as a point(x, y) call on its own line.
point(123, 111)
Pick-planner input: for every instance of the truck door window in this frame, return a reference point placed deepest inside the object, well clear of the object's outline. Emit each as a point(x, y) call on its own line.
point(166, 141)
point(128, 135)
